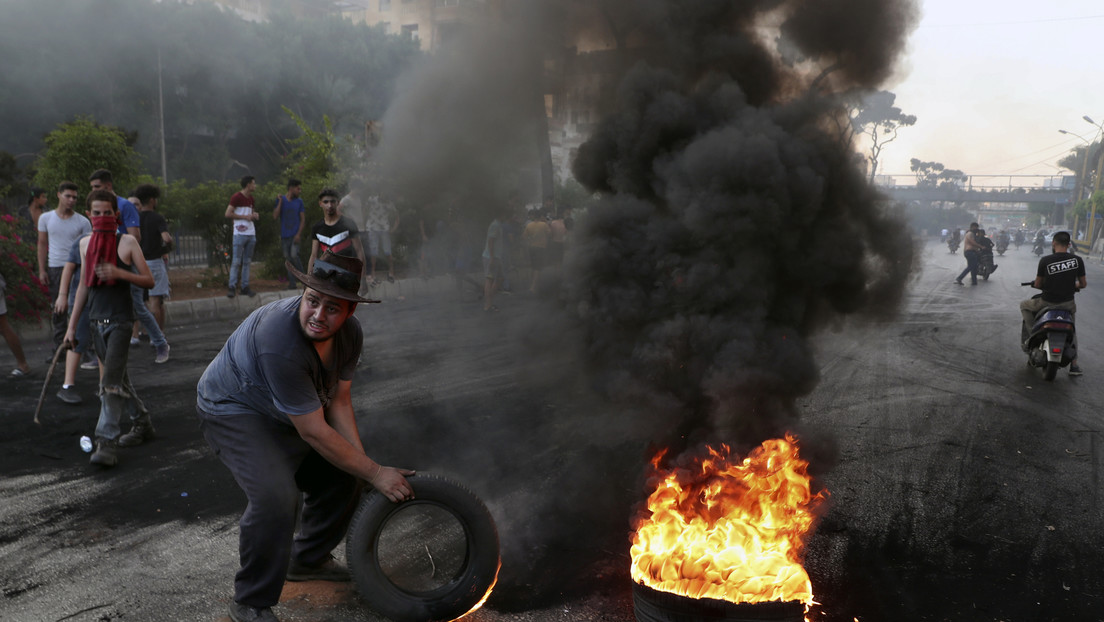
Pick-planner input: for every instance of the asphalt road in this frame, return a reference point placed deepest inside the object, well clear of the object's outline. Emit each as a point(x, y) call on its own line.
point(963, 486)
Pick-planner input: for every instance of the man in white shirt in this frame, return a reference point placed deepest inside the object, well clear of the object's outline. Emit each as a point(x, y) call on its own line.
point(57, 231)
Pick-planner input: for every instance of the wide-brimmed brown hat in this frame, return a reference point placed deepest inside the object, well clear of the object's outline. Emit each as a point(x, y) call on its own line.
point(333, 275)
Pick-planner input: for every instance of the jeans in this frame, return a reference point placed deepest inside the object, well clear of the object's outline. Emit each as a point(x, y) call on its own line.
point(243, 255)
point(291, 255)
point(284, 479)
point(157, 338)
point(117, 396)
point(59, 321)
point(971, 266)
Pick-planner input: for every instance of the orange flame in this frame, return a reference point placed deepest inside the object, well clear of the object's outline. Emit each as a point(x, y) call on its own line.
point(729, 530)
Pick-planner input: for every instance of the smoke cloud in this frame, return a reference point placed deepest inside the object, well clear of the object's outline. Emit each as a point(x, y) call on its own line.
point(735, 222)
point(733, 225)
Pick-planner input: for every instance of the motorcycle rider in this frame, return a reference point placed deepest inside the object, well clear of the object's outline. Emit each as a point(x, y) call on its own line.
point(1003, 239)
point(1040, 242)
point(970, 252)
point(985, 252)
point(1059, 275)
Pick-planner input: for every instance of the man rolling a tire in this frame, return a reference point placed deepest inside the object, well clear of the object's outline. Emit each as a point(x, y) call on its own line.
point(276, 407)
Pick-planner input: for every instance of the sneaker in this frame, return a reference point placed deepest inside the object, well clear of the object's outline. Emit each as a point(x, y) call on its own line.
point(140, 432)
point(69, 395)
point(1074, 370)
point(957, 282)
point(245, 613)
point(390, 278)
point(135, 341)
point(162, 354)
point(248, 292)
point(329, 570)
point(105, 454)
point(230, 293)
point(89, 362)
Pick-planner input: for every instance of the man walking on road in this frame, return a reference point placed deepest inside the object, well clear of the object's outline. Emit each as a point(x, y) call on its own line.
point(292, 217)
point(242, 216)
point(112, 263)
point(156, 242)
point(970, 251)
point(57, 231)
point(130, 222)
point(276, 407)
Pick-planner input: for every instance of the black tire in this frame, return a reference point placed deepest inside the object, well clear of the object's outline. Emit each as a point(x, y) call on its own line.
point(1051, 371)
point(651, 605)
point(477, 563)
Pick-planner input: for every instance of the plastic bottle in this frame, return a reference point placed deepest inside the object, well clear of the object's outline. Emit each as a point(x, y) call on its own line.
point(86, 444)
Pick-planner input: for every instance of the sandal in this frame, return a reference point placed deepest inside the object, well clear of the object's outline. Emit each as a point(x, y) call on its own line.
point(19, 373)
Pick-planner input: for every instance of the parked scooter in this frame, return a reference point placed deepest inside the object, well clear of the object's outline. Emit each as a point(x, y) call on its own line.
point(1051, 343)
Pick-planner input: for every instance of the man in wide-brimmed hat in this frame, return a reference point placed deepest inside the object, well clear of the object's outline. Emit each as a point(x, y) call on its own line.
point(275, 405)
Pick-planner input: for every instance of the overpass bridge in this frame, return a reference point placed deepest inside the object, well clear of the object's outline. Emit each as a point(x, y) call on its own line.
point(1022, 189)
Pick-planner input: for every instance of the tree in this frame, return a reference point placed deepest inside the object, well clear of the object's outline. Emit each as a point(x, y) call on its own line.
point(875, 116)
point(935, 175)
point(223, 80)
point(75, 149)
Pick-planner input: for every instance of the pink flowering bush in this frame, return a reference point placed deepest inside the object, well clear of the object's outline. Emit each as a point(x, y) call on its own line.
point(28, 298)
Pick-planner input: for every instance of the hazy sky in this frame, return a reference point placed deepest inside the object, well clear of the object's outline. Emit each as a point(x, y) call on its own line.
point(991, 83)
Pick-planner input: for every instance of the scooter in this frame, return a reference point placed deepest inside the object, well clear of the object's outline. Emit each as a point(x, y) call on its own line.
point(985, 263)
point(1050, 344)
point(1038, 248)
point(1002, 245)
point(953, 245)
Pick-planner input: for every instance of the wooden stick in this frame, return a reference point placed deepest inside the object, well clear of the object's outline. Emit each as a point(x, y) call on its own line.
point(46, 384)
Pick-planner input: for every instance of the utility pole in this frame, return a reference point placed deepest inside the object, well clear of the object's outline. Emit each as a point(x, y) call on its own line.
point(161, 120)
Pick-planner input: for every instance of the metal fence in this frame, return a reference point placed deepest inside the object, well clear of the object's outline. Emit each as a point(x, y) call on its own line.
point(190, 250)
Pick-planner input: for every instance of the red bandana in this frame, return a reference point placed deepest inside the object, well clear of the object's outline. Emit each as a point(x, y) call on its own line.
point(102, 247)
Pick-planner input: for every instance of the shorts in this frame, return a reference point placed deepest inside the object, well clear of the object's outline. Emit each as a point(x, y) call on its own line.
point(494, 272)
point(160, 278)
point(377, 241)
point(3, 297)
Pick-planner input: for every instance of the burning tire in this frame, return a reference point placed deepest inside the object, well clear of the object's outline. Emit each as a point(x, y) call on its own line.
point(655, 606)
point(433, 558)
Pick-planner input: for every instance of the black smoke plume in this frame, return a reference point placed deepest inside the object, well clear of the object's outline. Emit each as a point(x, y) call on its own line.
point(735, 222)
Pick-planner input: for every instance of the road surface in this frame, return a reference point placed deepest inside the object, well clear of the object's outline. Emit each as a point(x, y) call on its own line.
point(963, 486)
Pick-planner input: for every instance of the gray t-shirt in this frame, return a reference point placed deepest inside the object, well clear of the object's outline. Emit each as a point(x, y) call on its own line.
point(268, 366)
point(61, 233)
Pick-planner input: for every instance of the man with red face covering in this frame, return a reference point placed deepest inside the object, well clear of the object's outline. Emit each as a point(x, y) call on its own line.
point(112, 262)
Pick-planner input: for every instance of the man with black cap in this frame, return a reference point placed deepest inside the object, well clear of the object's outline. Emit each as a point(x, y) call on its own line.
point(276, 407)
